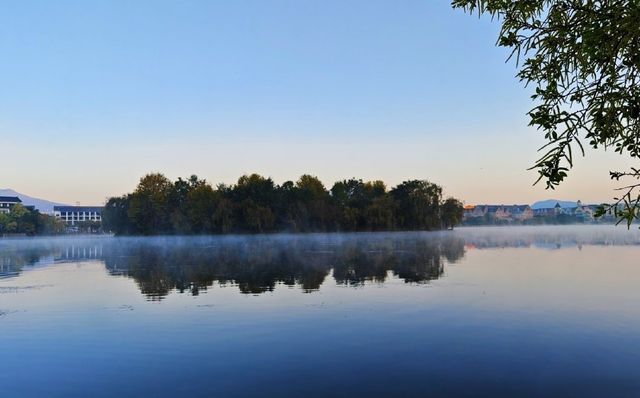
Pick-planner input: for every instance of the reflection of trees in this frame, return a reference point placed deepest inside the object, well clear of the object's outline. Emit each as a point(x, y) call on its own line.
point(11, 262)
point(13, 259)
point(412, 259)
point(257, 264)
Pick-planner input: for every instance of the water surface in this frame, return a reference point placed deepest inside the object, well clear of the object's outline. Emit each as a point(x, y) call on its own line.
point(521, 311)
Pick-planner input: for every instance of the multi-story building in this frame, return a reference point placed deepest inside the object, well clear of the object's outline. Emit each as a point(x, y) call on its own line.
point(471, 211)
point(499, 212)
point(7, 202)
point(521, 212)
point(76, 214)
point(549, 211)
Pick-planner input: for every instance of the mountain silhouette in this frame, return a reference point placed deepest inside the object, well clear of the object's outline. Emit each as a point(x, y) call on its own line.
point(45, 206)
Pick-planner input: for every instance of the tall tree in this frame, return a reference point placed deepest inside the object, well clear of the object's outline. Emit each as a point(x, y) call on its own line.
point(313, 202)
point(115, 216)
point(451, 213)
point(149, 205)
point(255, 195)
point(200, 207)
point(583, 58)
point(418, 204)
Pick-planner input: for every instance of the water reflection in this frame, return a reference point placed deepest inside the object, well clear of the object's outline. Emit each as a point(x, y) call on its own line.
point(526, 312)
point(257, 264)
point(254, 264)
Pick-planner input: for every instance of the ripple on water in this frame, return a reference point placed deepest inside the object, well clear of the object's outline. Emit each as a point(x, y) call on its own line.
point(4, 313)
point(18, 289)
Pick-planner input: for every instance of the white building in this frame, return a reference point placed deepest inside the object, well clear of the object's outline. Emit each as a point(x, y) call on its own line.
point(75, 214)
point(7, 202)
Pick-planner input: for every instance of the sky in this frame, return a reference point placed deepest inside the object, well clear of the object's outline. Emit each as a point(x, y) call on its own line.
point(93, 95)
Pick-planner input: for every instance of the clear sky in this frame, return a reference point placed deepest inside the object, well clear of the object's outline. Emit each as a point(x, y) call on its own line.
point(95, 94)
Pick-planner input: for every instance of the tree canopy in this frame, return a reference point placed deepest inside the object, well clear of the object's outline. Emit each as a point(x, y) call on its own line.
point(28, 221)
point(583, 59)
point(255, 204)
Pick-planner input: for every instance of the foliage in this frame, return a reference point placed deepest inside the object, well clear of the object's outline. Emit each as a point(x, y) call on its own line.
point(452, 212)
point(252, 265)
point(583, 57)
point(149, 204)
point(255, 204)
point(26, 220)
point(418, 204)
point(115, 216)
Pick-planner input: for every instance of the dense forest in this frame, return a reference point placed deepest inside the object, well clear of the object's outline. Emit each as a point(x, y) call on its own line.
point(28, 221)
point(256, 204)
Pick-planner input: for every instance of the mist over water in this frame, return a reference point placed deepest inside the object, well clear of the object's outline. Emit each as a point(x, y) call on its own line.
point(257, 263)
point(514, 311)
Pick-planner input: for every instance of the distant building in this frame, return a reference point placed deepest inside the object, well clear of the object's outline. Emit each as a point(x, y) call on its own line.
point(499, 212)
point(491, 209)
point(7, 202)
point(75, 214)
point(470, 211)
point(583, 212)
point(480, 210)
point(549, 211)
point(502, 214)
point(521, 212)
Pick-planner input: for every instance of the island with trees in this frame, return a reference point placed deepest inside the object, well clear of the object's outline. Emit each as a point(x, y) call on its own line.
point(255, 204)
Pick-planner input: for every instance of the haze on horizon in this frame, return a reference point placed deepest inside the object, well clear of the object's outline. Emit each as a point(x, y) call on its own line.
point(96, 95)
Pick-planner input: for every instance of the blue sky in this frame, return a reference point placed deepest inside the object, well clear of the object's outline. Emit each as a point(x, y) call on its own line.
point(95, 94)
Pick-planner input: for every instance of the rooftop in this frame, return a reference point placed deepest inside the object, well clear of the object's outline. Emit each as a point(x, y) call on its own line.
point(10, 199)
point(79, 209)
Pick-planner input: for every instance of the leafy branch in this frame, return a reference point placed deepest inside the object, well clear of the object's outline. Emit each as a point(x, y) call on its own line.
point(583, 57)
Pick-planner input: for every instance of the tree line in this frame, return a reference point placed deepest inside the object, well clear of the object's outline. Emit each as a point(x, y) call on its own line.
point(29, 221)
point(255, 204)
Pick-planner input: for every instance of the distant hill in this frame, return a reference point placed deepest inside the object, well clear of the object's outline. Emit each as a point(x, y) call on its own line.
point(43, 205)
point(549, 203)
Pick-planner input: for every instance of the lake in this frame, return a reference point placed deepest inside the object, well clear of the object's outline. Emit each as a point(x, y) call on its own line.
point(500, 312)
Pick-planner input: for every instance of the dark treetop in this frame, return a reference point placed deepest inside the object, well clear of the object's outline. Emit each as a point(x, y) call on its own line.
point(255, 204)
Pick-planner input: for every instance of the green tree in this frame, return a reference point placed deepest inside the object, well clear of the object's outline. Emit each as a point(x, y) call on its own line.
point(50, 225)
point(22, 220)
point(451, 212)
point(149, 209)
point(5, 219)
point(223, 220)
point(115, 216)
point(287, 207)
point(256, 205)
point(177, 203)
point(583, 58)
point(314, 208)
point(201, 205)
point(380, 214)
point(26, 220)
point(255, 196)
point(417, 205)
point(350, 197)
point(354, 199)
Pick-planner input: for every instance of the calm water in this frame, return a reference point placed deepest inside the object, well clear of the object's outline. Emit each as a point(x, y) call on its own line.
point(510, 312)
